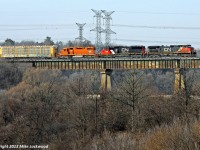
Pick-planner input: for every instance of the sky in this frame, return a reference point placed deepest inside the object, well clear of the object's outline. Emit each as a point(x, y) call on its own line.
point(136, 22)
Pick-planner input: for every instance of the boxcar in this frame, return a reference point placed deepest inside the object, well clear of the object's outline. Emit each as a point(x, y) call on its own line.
point(28, 51)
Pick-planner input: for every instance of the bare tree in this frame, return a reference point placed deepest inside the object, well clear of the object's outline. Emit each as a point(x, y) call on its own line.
point(132, 91)
point(10, 75)
point(188, 96)
point(31, 108)
point(78, 93)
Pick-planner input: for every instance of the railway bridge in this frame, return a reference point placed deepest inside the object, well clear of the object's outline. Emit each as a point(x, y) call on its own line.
point(106, 65)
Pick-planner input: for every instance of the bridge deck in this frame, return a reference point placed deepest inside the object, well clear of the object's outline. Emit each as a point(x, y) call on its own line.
point(111, 63)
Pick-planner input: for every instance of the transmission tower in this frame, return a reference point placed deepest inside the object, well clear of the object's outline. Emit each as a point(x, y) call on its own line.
point(107, 30)
point(80, 38)
point(98, 29)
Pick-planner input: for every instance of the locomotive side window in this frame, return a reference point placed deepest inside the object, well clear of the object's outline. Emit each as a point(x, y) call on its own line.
point(154, 48)
point(136, 49)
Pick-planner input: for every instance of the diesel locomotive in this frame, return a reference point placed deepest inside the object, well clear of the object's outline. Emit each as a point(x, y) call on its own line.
point(150, 51)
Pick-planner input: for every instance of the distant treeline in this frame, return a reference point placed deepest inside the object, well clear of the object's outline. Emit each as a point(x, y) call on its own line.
point(47, 41)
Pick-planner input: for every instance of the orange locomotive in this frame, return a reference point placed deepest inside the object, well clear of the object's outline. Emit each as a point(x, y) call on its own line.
point(76, 52)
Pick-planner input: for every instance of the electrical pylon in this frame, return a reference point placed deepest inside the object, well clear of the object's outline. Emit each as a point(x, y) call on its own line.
point(80, 38)
point(98, 29)
point(107, 30)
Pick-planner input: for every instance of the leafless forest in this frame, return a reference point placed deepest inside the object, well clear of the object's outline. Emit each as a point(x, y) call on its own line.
point(68, 110)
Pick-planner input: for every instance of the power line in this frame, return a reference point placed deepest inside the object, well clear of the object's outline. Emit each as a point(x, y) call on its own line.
point(157, 13)
point(33, 25)
point(36, 25)
point(157, 27)
point(31, 29)
point(65, 26)
point(44, 13)
point(155, 41)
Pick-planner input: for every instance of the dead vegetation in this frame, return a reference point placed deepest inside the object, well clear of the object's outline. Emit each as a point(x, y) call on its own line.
point(47, 107)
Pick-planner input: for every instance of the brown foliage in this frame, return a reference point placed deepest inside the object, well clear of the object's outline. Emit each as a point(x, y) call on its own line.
point(119, 141)
point(47, 108)
point(31, 108)
point(10, 75)
point(178, 136)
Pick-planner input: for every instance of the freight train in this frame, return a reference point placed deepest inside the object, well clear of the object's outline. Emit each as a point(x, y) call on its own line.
point(116, 51)
point(151, 51)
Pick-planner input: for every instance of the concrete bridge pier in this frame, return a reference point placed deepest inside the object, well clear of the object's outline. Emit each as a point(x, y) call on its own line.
point(106, 83)
point(179, 80)
point(33, 64)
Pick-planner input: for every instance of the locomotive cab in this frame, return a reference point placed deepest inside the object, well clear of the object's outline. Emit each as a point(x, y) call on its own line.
point(187, 50)
point(107, 51)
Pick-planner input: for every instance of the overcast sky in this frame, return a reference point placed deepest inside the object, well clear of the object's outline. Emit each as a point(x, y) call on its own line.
point(141, 22)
